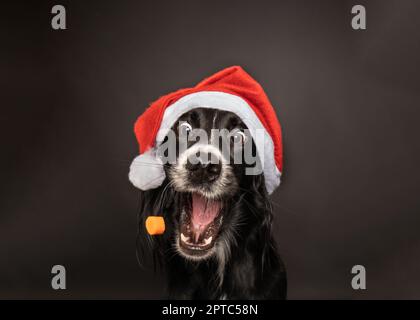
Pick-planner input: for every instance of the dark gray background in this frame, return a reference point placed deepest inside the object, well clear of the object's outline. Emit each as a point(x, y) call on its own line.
point(348, 102)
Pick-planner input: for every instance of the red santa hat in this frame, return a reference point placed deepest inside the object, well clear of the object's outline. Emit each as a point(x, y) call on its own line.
point(231, 89)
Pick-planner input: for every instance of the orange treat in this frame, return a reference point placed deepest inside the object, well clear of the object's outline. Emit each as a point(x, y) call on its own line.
point(155, 225)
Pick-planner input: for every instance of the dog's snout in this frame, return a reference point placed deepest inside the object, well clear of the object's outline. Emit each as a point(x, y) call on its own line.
point(207, 169)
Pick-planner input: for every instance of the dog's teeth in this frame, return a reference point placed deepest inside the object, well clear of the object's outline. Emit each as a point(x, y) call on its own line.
point(207, 241)
point(184, 238)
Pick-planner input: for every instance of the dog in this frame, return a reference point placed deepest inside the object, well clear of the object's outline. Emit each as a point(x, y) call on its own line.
point(218, 242)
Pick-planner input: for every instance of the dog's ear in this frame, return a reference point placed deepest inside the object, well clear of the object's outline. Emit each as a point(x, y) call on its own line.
point(259, 197)
point(258, 185)
point(152, 202)
point(261, 202)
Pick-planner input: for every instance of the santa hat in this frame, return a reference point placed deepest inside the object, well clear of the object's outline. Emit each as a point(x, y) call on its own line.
point(231, 89)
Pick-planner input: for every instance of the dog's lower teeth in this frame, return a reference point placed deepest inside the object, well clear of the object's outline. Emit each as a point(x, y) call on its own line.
point(184, 238)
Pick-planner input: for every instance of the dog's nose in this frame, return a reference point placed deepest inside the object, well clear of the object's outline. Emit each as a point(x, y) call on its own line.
point(204, 169)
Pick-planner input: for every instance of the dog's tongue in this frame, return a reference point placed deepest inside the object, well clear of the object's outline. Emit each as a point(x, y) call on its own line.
point(203, 212)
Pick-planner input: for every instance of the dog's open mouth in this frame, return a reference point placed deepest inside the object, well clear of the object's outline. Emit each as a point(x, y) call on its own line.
point(199, 225)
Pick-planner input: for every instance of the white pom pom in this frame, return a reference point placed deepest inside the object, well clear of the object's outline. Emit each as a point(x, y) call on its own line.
point(146, 171)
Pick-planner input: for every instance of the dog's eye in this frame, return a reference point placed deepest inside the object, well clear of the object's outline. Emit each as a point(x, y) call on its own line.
point(184, 128)
point(238, 137)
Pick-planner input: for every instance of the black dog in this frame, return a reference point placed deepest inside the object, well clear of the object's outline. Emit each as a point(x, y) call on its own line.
point(218, 242)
